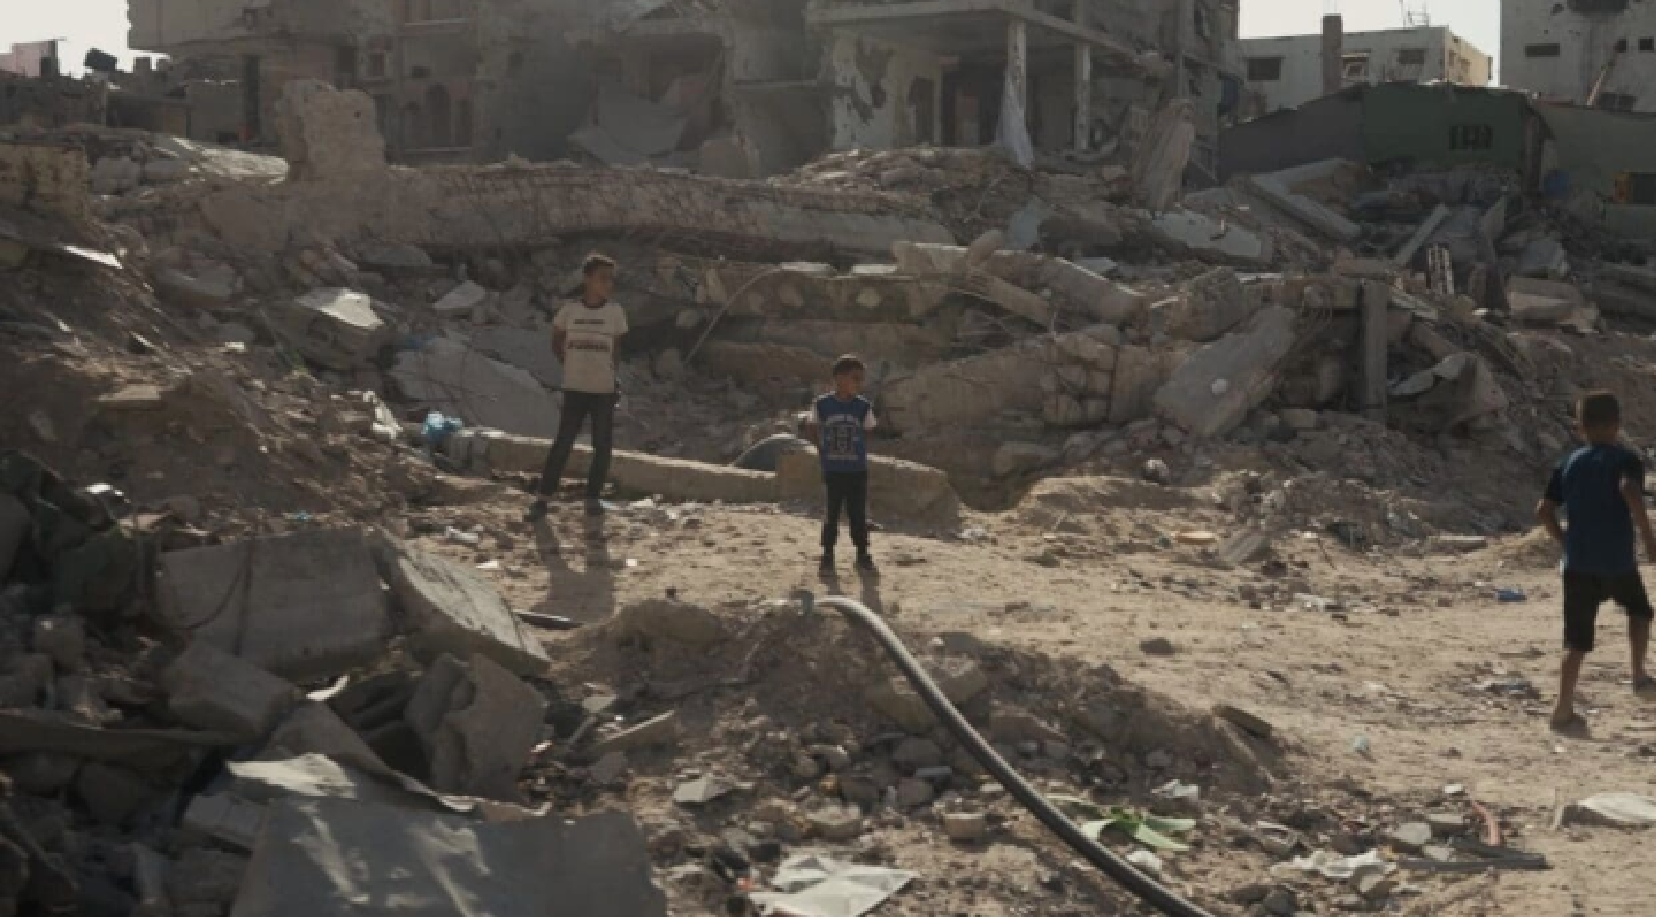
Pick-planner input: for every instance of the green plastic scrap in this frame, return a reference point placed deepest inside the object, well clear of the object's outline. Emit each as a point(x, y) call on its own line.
point(1145, 828)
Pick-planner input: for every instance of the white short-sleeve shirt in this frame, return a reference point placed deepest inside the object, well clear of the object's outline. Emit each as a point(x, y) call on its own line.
point(590, 335)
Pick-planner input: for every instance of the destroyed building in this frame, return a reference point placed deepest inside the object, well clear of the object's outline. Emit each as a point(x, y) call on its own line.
point(736, 88)
point(1599, 53)
point(1285, 72)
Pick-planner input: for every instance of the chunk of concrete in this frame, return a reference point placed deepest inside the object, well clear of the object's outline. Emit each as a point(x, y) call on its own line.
point(1103, 299)
point(209, 688)
point(225, 818)
point(931, 260)
point(300, 605)
point(967, 392)
point(451, 609)
point(333, 858)
point(528, 350)
point(1304, 209)
point(1201, 235)
point(450, 377)
point(392, 257)
point(329, 134)
point(1210, 305)
point(1018, 458)
point(336, 328)
point(960, 679)
point(485, 452)
point(478, 723)
point(461, 300)
point(1215, 388)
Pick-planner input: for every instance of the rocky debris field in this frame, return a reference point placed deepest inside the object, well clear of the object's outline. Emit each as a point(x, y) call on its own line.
point(1214, 520)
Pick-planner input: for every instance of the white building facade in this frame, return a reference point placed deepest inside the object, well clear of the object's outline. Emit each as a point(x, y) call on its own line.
point(1287, 72)
point(1585, 52)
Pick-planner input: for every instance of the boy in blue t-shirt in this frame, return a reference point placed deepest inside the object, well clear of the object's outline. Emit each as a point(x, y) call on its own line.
point(1602, 489)
point(839, 425)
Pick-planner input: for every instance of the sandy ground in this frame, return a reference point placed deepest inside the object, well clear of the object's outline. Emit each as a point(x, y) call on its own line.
point(1401, 666)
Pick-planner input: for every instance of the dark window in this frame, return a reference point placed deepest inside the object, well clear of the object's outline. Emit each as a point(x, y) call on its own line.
point(1616, 101)
point(1646, 45)
point(1355, 66)
point(1412, 57)
point(1265, 69)
point(1472, 137)
point(1549, 50)
point(377, 65)
point(420, 72)
point(1621, 47)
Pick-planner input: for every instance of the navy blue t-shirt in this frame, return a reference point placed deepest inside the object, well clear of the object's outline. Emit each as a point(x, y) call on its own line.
point(842, 427)
point(1599, 529)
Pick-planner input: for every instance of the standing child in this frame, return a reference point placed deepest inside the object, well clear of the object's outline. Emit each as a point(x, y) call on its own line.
point(586, 335)
point(839, 425)
point(1602, 489)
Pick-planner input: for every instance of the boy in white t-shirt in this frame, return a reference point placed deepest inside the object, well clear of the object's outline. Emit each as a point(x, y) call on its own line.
point(586, 335)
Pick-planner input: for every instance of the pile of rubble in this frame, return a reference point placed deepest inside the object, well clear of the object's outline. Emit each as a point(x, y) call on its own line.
point(277, 717)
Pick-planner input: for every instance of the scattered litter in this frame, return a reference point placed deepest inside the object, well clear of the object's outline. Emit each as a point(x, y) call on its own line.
point(1627, 810)
point(814, 885)
point(1332, 865)
point(1510, 596)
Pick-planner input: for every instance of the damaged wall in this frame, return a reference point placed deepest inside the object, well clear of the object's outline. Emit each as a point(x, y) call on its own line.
point(1562, 52)
point(884, 96)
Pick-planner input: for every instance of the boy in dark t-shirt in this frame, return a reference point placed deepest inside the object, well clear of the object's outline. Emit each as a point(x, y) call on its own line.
point(839, 425)
point(1602, 490)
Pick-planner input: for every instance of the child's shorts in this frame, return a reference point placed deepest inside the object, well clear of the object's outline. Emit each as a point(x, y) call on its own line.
point(1586, 592)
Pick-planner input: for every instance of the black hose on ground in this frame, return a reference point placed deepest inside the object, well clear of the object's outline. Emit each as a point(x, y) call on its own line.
point(1068, 831)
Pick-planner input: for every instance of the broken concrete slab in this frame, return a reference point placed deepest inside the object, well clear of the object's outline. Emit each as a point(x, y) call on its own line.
point(528, 350)
point(1208, 306)
point(897, 489)
point(1102, 299)
point(336, 328)
point(477, 722)
point(317, 777)
point(298, 605)
point(1139, 374)
point(461, 300)
point(328, 133)
point(1276, 189)
point(452, 378)
point(633, 472)
point(330, 858)
point(1215, 388)
point(210, 689)
point(966, 392)
point(1429, 226)
point(224, 817)
point(1020, 458)
point(950, 264)
point(1203, 235)
point(451, 609)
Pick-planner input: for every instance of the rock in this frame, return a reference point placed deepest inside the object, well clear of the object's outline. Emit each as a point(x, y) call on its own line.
point(1014, 724)
point(1204, 235)
point(661, 730)
point(477, 723)
point(913, 793)
point(1243, 547)
point(336, 328)
point(959, 678)
point(133, 398)
point(1157, 646)
point(311, 603)
point(668, 619)
point(231, 821)
point(210, 689)
point(608, 769)
point(526, 350)
point(114, 794)
point(702, 791)
point(1156, 471)
point(115, 174)
point(1411, 836)
point(1447, 824)
point(836, 823)
point(965, 827)
point(1374, 885)
point(202, 292)
point(1253, 893)
point(62, 638)
point(914, 753)
point(1019, 458)
point(1244, 720)
point(451, 609)
point(1457, 544)
point(1281, 902)
point(461, 300)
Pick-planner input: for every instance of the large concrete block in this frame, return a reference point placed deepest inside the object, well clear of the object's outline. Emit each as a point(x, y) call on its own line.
point(450, 609)
point(450, 377)
point(300, 605)
point(1216, 387)
point(1205, 236)
point(633, 472)
point(1100, 298)
point(897, 489)
point(336, 328)
point(478, 723)
point(210, 689)
point(967, 392)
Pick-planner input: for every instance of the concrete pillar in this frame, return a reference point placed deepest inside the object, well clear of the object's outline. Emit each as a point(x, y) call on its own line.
point(1084, 95)
point(1377, 296)
point(1333, 43)
point(1018, 62)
